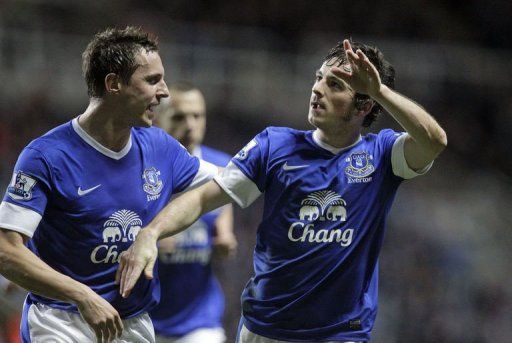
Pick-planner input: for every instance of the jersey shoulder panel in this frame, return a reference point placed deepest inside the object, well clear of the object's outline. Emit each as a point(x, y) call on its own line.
point(54, 141)
point(217, 157)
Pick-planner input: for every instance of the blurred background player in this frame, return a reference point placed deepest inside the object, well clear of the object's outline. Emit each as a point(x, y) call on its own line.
point(192, 302)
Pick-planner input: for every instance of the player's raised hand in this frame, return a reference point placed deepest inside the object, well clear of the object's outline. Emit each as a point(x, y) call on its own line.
point(141, 256)
point(359, 73)
point(101, 317)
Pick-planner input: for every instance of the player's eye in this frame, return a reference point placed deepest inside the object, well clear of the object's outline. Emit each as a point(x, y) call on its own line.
point(335, 84)
point(178, 117)
point(153, 80)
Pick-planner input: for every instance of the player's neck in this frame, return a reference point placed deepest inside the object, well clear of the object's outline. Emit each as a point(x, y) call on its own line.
point(338, 139)
point(106, 129)
point(191, 148)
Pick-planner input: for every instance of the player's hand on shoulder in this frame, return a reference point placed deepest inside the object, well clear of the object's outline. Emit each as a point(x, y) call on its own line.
point(101, 317)
point(359, 73)
point(141, 256)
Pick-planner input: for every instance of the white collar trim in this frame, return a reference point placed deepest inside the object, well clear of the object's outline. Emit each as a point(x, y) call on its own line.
point(100, 148)
point(331, 148)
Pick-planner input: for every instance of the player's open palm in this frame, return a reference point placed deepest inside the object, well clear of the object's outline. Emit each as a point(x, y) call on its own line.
point(101, 317)
point(360, 73)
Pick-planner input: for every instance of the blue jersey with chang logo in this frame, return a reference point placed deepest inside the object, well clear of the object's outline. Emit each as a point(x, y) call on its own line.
point(191, 295)
point(316, 255)
point(94, 202)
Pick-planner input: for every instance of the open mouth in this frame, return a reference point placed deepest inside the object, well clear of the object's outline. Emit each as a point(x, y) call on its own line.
point(316, 105)
point(151, 107)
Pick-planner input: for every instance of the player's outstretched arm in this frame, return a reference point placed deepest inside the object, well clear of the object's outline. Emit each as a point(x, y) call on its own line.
point(179, 214)
point(21, 266)
point(426, 139)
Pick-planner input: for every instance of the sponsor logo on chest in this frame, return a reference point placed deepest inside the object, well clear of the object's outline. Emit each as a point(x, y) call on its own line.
point(121, 227)
point(321, 206)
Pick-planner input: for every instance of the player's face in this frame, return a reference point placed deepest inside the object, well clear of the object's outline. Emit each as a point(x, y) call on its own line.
point(332, 104)
point(144, 90)
point(186, 118)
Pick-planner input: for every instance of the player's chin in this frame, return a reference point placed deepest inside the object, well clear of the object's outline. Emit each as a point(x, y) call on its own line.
point(314, 119)
point(146, 120)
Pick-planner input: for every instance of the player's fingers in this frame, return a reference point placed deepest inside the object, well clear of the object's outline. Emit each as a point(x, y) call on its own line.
point(343, 74)
point(148, 271)
point(107, 334)
point(351, 56)
point(130, 277)
point(348, 49)
point(123, 287)
point(126, 270)
point(113, 331)
point(99, 334)
point(120, 268)
point(361, 55)
point(119, 326)
point(346, 45)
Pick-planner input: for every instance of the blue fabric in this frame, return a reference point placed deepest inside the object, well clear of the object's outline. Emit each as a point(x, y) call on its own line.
point(191, 295)
point(316, 254)
point(83, 235)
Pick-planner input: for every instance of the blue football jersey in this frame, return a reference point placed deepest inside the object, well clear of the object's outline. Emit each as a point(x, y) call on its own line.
point(191, 295)
point(316, 254)
point(93, 203)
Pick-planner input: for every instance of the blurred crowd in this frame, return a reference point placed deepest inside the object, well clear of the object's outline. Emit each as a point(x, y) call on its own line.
point(446, 256)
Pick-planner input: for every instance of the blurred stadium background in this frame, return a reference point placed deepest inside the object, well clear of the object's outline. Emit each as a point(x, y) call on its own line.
point(445, 265)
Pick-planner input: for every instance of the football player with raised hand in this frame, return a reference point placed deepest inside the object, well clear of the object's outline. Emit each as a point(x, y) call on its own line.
point(327, 195)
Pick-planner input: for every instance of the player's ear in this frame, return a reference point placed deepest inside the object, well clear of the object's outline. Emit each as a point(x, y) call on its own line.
point(364, 107)
point(112, 83)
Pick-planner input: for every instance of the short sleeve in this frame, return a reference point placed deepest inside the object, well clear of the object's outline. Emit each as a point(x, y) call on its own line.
point(30, 183)
point(27, 194)
point(252, 159)
point(237, 185)
point(399, 163)
point(185, 168)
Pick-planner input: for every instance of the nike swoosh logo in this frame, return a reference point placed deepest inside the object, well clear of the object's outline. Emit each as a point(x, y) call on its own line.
point(86, 191)
point(286, 167)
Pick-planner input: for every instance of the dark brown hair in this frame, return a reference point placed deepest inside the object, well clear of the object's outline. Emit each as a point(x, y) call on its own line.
point(386, 71)
point(113, 51)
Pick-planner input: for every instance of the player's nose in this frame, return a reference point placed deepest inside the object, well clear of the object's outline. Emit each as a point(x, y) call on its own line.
point(162, 91)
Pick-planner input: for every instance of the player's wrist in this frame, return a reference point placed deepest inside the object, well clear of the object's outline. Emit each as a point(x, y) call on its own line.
point(80, 294)
point(151, 233)
point(380, 93)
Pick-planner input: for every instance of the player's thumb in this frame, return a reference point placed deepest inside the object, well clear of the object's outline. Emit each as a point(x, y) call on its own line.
point(148, 271)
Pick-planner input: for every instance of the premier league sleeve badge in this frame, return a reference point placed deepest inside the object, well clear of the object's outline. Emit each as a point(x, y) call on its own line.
point(21, 186)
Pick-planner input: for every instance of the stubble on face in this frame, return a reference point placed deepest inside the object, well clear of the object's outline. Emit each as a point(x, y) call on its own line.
point(335, 98)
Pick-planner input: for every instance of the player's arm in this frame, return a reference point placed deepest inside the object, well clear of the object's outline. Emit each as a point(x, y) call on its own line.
point(225, 243)
point(426, 139)
point(174, 218)
point(21, 266)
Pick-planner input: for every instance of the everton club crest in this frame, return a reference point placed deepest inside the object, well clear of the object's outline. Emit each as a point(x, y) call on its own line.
point(360, 166)
point(152, 183)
